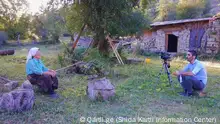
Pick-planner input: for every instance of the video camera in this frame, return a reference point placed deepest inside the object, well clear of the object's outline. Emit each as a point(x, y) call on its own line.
point(165, 56)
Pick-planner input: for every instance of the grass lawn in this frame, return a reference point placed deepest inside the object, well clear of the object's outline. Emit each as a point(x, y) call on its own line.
point(136, 94)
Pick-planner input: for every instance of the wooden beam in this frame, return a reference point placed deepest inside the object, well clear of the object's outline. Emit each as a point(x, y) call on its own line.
point(166, 41)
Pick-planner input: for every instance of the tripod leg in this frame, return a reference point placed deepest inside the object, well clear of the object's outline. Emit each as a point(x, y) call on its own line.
point(158, 78)
point(168, 74)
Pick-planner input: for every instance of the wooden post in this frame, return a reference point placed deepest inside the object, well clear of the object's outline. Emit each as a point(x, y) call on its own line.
point(18, 39)
point(77, 39)
point(115, 50)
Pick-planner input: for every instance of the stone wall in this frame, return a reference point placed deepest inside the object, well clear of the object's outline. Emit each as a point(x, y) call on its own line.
point(211, 39)
point(159, 39)
point(148, 43)
point(183, 40)
point(212, 36)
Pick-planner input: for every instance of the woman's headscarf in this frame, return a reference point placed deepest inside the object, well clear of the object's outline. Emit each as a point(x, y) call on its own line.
point(32, 52)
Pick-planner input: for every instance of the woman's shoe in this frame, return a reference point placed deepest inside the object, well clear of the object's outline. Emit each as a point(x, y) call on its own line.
point(54, 95)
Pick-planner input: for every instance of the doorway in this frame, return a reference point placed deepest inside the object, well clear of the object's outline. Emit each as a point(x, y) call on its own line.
point(172, 43)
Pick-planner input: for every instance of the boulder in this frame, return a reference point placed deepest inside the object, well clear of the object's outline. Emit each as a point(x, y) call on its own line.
point(19, 99)
point(100, 89)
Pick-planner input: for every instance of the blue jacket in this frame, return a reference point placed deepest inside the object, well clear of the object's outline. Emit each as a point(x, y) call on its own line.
point(35, 66)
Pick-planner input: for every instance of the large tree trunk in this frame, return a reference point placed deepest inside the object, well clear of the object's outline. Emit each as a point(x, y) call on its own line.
point(55, 38)
point(101, 42)
point(103, 46)
point(95, 41)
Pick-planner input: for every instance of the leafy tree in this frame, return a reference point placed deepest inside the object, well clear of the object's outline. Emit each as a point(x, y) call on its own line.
point(9, 10)
point(191, 8)
point(218, 14)
point(36, 24)
point(182, 9)
point(147, 5)
point(2, 26)
point(54, 23)
point(20, 26)
point(49, 25)
point(102, 17)
point(166, 10)
point(9, 19)
point(74, 21)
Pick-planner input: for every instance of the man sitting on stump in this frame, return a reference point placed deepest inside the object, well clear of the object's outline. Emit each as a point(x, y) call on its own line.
point(193, 76)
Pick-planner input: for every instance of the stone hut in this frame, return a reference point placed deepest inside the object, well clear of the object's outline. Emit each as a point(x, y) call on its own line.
point(181, 35)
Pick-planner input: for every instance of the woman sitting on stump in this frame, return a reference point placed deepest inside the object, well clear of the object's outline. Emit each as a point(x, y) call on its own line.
point(39, 75)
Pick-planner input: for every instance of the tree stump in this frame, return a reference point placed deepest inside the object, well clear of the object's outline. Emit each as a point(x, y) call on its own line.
point(100, 89)
point(18, 100)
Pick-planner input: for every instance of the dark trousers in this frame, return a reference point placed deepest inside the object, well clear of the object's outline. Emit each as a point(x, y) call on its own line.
point(46, 83)
point(190, 83)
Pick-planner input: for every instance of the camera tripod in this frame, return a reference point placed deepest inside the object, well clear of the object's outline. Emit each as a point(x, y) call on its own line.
point(165, 68)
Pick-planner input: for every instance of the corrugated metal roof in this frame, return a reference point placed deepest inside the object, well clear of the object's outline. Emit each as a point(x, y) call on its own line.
point(179, 21)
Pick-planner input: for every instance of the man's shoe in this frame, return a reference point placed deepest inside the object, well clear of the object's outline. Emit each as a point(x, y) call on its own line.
point(182, 93)
point(186, 94)
point(189, 94)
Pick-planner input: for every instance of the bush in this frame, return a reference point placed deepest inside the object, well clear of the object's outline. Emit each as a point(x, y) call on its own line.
point(93, 55)
point(69, 55)
point(78, 53)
